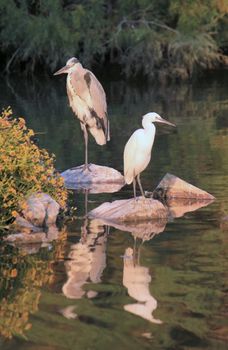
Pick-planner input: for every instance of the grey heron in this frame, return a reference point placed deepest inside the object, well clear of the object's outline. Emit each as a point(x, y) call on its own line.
point(88, 101)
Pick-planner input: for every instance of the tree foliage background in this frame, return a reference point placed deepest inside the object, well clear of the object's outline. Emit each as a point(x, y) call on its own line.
point(172, 38)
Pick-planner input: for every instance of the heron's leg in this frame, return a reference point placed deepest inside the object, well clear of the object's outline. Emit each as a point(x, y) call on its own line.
point(86, 167)
point(86, 203)
point(134, 187)
point(140, 185)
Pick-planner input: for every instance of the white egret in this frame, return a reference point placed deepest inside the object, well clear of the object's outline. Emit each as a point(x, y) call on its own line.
point(137, 152)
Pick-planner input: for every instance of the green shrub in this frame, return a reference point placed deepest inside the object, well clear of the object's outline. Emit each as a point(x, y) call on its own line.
point(24, 168)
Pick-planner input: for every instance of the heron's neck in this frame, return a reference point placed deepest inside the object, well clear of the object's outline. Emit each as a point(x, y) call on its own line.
point(76, 69)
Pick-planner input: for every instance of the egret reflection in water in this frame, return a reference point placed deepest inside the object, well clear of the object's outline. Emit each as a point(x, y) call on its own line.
point(137, 280)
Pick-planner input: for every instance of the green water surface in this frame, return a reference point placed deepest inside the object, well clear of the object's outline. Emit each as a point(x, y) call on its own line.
point(85, 291)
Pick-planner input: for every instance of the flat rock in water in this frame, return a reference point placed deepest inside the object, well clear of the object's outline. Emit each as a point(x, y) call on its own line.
point(126, 210)
point(172, 186)
point(98, 179)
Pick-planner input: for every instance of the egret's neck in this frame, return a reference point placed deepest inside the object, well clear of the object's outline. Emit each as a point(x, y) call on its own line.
point(148, 126)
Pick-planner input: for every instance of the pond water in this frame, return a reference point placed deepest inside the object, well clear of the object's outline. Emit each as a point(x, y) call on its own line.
point(102, 287)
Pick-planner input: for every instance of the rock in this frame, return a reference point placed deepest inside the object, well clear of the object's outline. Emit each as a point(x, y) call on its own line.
point(172, 186)
point(41, 209)
point(126, 210)
point(24, 226)
point(52, 209)
point(34, 211)
point(99, 179)
point(187, 198)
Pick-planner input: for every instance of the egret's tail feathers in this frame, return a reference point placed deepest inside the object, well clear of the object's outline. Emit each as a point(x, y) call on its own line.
point(99, 135)
point(128, 178)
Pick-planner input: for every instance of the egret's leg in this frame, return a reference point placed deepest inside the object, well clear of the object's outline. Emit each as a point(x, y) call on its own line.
point(140, 185)
point(134, 187)
point(86, 167)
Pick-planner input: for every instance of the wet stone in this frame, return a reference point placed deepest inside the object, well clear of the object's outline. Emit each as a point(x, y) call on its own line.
point(130, 210)
point(41, 209)
point(37, 222)
point(98, 178)
point(172, 186)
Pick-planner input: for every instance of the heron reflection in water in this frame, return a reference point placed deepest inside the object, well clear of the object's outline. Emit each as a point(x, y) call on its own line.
point(86, 262)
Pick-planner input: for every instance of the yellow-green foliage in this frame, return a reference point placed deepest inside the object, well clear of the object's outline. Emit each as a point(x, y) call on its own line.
point(24, 168)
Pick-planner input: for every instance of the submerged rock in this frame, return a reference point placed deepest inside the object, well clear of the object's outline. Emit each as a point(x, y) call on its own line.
point(172, 186)
point(130, 210)
point(39, 214)
point(98, 179)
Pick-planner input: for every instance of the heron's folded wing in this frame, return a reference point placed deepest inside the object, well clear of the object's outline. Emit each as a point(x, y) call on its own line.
point(89, 89)
point(80, 88)
point(98, 95)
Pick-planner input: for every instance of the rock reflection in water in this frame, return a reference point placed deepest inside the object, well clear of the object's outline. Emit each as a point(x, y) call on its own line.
point(137, 280)
point(87, 260)
point(144, 230)
point(178, 207)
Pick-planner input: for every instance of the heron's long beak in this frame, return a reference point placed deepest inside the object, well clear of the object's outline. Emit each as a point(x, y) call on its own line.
point(61, 70)
point(166, 122)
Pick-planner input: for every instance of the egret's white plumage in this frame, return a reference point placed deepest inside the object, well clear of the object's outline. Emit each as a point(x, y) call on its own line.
point(137, 152)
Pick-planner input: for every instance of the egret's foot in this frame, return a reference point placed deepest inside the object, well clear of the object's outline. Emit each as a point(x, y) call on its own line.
point(144, 199)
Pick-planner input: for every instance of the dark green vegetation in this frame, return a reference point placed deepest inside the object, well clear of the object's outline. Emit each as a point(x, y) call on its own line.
point(166, 38)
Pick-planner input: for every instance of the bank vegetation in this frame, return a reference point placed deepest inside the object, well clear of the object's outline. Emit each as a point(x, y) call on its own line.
point(151, 38)
point(24, 169)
